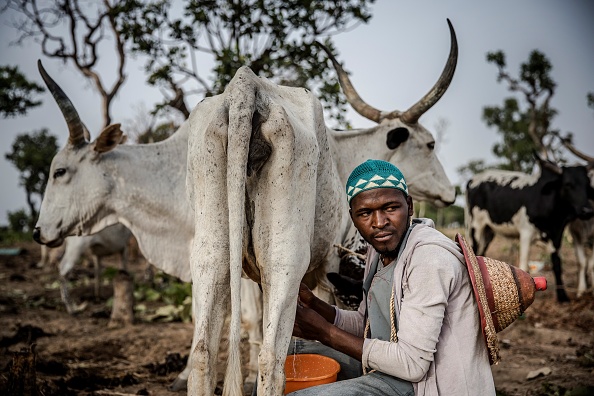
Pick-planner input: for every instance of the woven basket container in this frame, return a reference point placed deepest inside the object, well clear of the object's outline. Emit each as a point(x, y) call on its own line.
point(503, 292)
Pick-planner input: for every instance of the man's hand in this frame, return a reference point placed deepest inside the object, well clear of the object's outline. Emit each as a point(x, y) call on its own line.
point(306, 297)
point(309, 300)
point(314, 320)
point(310, 325)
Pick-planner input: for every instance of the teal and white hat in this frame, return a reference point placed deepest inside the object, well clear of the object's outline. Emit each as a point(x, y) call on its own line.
point(374, 174)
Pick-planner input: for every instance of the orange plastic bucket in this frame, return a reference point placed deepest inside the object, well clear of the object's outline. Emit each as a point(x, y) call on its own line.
point(305, 370)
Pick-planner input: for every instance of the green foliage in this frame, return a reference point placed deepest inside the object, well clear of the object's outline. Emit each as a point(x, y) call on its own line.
point(19, 220)
point(157, 134)
point(32, 155)
point(517, 147)
point(16, 92)
point(450, 216)
point(472, 168)
point(8, 237)
point(523, 121)
point(176, 295)
point(273, 37)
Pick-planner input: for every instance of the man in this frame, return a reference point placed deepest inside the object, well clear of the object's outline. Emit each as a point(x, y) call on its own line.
point(417, 331)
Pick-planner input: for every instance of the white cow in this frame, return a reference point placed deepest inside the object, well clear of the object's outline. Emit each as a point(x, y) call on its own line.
point(94, 184)
point(109, 241)
point(265, 178)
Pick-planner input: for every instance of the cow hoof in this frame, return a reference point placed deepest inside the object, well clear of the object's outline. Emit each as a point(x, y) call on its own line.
point(562, 297)
point(248, 387)
point(178, 385)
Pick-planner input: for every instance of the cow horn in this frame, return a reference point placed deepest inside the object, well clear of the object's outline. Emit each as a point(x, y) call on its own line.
point(76, 128)
point(412, 115)
point(576, 152)
point(546, 163)
point(367, 111)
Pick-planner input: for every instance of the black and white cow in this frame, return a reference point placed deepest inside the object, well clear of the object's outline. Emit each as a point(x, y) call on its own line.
point(531, 207)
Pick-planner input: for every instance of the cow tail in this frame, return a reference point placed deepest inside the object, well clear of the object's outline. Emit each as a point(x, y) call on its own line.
point(239, 132)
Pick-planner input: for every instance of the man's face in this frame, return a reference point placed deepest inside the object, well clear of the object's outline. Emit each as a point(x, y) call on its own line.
point(381, 215)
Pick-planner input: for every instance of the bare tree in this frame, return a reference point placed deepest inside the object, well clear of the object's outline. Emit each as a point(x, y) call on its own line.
point(72, 31)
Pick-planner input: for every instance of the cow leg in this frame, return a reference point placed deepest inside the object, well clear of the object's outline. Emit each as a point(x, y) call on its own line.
point(181, 382)
point(210, 296)
point(251, 310)
point(251, 313)
point(481, 238)
point(65, 294)
point(124, 258)
point(525, 239)
point(97, 267)
point(590, 271)
point(44, 256)
point(70, 257)
point(279, 316)
point(581, 258)
point(284, 241)
point(488, 236)
point(556, 260)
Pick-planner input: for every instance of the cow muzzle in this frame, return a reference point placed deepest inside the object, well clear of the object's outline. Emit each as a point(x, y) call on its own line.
point(37, 235)
point(38, 238)
point(586, 213)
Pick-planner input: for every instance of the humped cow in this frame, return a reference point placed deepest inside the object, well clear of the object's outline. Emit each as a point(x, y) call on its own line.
point(531, 207)
point(95, 184)
point(264, 178)
point(109, 241)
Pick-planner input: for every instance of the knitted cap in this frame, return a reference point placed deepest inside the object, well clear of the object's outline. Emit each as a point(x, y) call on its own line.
point(374, 174)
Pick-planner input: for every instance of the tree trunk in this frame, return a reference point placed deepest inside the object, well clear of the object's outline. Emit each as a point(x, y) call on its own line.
point(32, 211)
point(122, 313)
point(22, 377)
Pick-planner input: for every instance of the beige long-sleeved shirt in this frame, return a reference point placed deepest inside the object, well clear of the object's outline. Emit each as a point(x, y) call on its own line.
point(440, 346)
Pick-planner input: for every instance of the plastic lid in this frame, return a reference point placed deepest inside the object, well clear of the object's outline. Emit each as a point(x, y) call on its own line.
point(540, 282)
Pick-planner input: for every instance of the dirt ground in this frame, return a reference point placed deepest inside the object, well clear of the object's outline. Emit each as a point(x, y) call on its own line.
point(80, 355)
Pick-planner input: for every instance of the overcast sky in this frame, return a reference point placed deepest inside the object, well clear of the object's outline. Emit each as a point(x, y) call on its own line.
point(394, 60)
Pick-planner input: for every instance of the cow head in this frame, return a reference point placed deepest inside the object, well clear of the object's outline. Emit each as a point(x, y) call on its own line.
point(78, 183)
point(408, 144)
point(573, 185)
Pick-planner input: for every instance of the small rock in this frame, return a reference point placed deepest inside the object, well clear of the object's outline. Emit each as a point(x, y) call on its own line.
point(541, 372)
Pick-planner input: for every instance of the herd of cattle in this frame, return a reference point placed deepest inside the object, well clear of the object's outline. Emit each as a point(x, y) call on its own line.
point(249, 191)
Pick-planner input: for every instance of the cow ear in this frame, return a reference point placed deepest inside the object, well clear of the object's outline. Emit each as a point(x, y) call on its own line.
point(108, 139)
point(396, 137)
